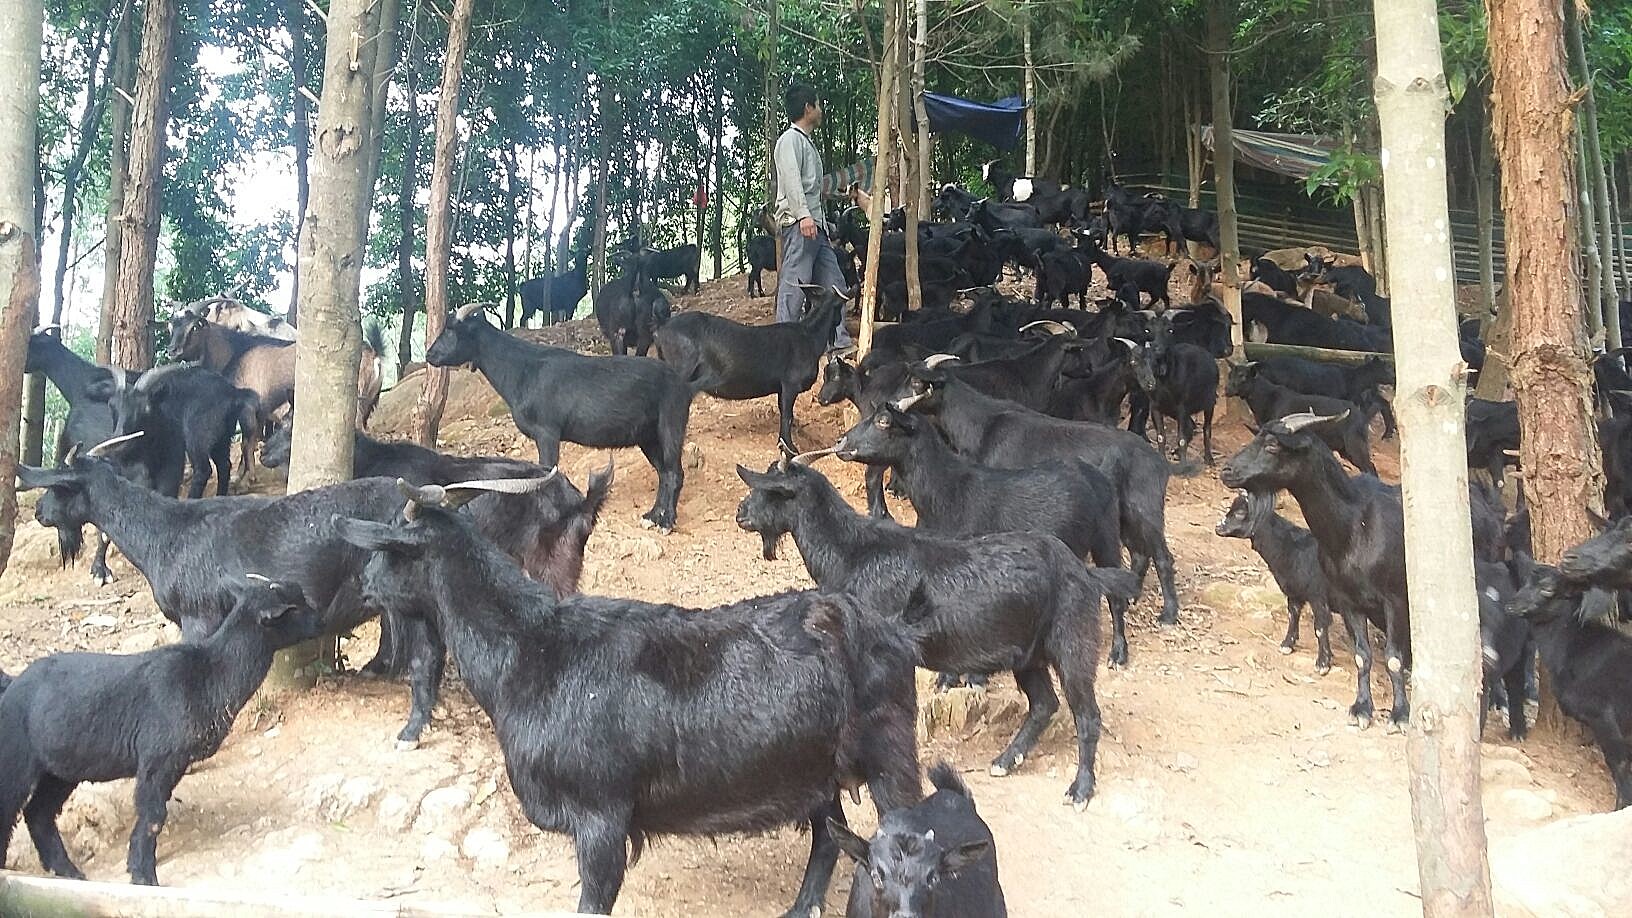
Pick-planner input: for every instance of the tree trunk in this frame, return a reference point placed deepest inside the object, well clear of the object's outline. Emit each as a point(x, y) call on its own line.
point(773, 34)
point(923, 141)
point(124, 83)
point(1484, 202)
point(1218, 69)
point(300, 136)
point(332, 247)
point(717, 229)
point(1590, 253)
point(406, 289)
point(1442, 744)
point(1031, 96)
point(1498, 350)
point(1362, 232)
point(1378, 226)
point(881, 164)
point(510, 169)
point(439, 222)
point(20, 44)
point(133, 304)
point(908, 153)
point(1549, 374)
point(1596, 179)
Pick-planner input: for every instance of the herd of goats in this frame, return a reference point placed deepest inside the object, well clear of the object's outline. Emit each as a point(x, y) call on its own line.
point(1019, 428)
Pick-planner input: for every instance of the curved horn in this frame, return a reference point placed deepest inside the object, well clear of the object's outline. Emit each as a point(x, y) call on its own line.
point(419, 495)
point(813, 455)
point(260, 578)
point(48, 328)
point(466, 311)
point(1511, 452)
point(106, 446)
point(903, 404)
point(505, 485)
point(1131, 344)
point(1050, 326)
point(1296, 422)
point(935, 360)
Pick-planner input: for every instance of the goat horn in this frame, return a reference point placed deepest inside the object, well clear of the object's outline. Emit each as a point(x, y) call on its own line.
point(1511, 452)
point(935, 360)
point(1132, 344)
point(261, 578)
point(1296, 422)
point(102, 449)
point(506, 485)
point(844, 352)
point(46, 328)
point(1050, 326)
point(466, 311)
point(813, 455)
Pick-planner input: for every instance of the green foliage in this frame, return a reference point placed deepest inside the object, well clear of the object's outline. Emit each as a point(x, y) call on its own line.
point(1344, 174)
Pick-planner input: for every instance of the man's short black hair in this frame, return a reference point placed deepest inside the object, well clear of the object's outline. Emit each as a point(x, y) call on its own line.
point(796, 99)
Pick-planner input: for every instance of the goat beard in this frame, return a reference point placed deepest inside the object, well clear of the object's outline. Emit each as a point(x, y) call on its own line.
point(70, 542)
point(768, 542)
point(1260, 505)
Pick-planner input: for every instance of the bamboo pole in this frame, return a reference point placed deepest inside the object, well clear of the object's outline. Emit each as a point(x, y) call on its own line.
point(1263, 350)
point(881, 165)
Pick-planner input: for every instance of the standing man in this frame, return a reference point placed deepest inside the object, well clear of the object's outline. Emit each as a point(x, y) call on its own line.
point(807, 255)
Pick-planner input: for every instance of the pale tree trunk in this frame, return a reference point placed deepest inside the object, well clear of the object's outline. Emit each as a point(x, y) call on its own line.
point(1192, 140)
point(773, 106)
point(908, 154)
point(923, 140)
point(511, 168)
point(332, 246)
point(124, 82)
point(20, 43)
point(1218, 69)
point(1031, 97)
point(439, 222)
point(881, 165)
point(300, 137)
point(405, 216)
point(607, 122)
point(1442, 745)
point(716, 229)
point(1596, 180)
point(133, 294)
point(1484, 190)
point(1588, 239)
point(1379, 235)
point(1532, 125)
point(96, 97)
point(1362, 233)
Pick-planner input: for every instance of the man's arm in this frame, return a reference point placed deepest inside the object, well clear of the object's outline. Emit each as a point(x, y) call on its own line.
point(790, 185)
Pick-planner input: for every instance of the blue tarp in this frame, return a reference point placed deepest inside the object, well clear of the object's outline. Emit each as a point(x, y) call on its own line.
point(998, 123)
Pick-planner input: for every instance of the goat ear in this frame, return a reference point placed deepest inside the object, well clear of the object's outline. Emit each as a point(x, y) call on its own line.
point(859, 849)
point(956, 859)
point(30, 477)
point(371, 536)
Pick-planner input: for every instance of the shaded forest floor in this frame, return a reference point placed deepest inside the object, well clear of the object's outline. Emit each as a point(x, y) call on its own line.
point(1230, 782)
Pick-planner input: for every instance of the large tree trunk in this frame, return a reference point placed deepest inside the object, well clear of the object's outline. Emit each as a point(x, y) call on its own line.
point(124, 82)
point(20, 43)
point(439, 222)
point(1442, 745)
point(406, 289)
point(1218, 71)
point(332, 247)
point(300, 136)
point(1596, 180)
point(133, 303)
point(881, 166)
point(1549, 374)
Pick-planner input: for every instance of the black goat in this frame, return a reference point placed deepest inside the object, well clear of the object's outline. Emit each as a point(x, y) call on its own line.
point(845, 381)
point(1064, 273)
point(730, 360)
point(1507, 644)
point(1293, 558)
point(683, 261)
point(935, 860)
point(1349, 281)
point(975, 604)
point(999, 433)
point(1272, 275)
point(1180, 381)
point(1149, 277)
point(1268, 402)
point(70, 718)
point(830, 685)
point(1492, 432)
point(565, 291)
point(1286, 323)
point(761, 258)
point(556, 394)
point(1590, 664)
point(629, 309)
point(1355, 384)
point(187, 413)
point(1071, 501)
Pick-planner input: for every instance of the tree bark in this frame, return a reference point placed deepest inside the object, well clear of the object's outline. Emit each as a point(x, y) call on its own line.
point(881, 165)
point(1030, 85)
point(332, 247)
point(133, 303)
point(510, 169)
point(1484, 202)
point(1596, 180)
point(406, 289)
point(1218, 69)
point(773, 109)
point(717, 229)
point(907, 149)
point(439, 222)
point(20, 44)
point(1442, 744)
point(924, 140)
point(124, 83)
point(300, 137)
point(1549, 373)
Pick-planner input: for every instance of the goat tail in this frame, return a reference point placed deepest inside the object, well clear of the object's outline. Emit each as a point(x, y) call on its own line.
point(942, 776)
point(249, 413)
point(374, 338)
point(1115, 582)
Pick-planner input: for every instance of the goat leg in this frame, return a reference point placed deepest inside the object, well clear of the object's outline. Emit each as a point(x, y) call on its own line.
point(154, 784)
point(1294, 610)
point(41, 815)
point(1042, 704)
point(600, 842)
point(1323, 637)
point(1513, 681)
point(1394, 659)
point(1362, 710)
point(428, 658)
point(100, 572)
point(824, 857)
point(1074, 658)
point(1617, 750)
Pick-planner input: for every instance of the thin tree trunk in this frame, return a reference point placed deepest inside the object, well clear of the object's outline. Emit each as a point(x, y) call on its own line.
point(1378, 226)
point(510, 169)
point(1030, 85)
point(1484, 201)
point(300, 136)
point(881, 165)
point(439, 222)
point(717, 230)
point(907, 149)
point(1192, 144)
point(1549, 374)
point(20, 44)
point(923, 141)
point(1218, 68)
point(773, 35)
point(406, 289)
point(1442, 744)
point(602, 205)
point(1595, 180)
point(124, 83)
point(1362, 232)
point(133, 305)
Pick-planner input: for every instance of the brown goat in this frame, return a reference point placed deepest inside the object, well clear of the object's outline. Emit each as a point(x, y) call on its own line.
point(265, 366)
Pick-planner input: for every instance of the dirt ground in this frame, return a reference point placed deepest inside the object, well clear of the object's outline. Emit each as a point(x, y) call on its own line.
point(1230, 782)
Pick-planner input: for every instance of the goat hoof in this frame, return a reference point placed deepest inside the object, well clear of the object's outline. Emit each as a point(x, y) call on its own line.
point(1322, 669)
point(1394, 727)
point(1287, 649)
point(1080, 804)
point(407, 745)
point(998, 771)
point(1361, 720)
